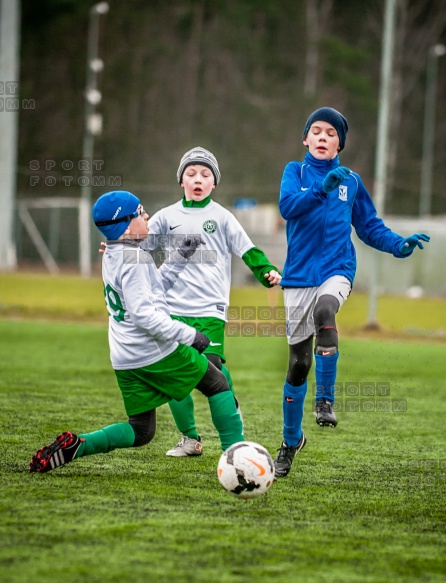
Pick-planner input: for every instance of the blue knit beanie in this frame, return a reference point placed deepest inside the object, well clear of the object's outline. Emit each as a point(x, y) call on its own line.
point(113, 212)
point(331, 116)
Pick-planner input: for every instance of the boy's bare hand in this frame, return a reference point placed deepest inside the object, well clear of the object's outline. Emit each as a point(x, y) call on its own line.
point(273, 277)
point(104, 247)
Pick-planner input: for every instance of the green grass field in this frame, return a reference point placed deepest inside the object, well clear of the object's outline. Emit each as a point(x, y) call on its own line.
point(37, 296)
point(364, 502)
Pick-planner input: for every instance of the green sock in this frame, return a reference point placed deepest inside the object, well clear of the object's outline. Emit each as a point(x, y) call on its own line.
point(119, 435)
point(183, 414)
point(225, 371)
point(228, 377)
point(226, 419)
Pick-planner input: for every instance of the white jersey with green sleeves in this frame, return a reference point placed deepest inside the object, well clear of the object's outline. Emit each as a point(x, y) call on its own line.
point(203, 287)
point(141, 331)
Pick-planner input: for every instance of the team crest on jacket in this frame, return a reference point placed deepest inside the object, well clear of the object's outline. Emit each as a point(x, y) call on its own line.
point(209, 226)
point(343, 192)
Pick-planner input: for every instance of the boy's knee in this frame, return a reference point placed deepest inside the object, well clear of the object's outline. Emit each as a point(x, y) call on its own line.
point(298, 372)
point(300, 361)
point(215, 359)
point(213, 382)
point(144, 426)
point(325, 311)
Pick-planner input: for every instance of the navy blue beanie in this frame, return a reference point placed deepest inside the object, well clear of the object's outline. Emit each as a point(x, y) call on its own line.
point(331, 116)
point(113, 212)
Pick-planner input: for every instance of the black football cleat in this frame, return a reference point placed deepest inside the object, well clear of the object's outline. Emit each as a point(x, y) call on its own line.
point(325, 416)
point(57, 454)
point(284, 459)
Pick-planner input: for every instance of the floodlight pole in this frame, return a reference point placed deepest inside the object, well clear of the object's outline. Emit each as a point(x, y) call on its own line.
point(427, 163)
point(9, 116)
point(382, 146)
point(92, 128)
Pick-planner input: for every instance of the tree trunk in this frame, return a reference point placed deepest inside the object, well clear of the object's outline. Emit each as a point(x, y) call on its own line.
point(317, 17)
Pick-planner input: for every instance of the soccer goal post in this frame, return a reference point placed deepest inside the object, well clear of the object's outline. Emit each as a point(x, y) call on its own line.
point(52, 225)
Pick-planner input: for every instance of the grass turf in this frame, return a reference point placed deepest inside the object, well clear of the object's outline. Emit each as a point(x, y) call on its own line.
point(363, 503)
point(36, 295)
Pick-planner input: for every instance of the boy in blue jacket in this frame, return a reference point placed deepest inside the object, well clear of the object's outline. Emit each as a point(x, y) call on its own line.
point(320, 201)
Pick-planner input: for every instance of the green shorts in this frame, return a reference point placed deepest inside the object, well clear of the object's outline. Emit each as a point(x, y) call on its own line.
point(173, 377)
point(213, 328)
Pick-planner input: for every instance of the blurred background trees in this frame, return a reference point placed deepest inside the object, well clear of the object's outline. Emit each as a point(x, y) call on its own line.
point(238, 77)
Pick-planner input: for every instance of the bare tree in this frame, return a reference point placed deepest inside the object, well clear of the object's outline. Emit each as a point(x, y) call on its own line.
point(318, 14)
point(420, 25)
point(191, 78)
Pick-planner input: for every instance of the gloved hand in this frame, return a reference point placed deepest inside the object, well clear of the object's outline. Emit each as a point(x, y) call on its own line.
point(201, 342)
point(409, 244)
point(189, 245)
point(334, 178)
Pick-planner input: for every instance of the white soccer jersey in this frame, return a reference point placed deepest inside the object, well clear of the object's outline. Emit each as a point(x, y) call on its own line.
point(140, 330)
point(203, 287)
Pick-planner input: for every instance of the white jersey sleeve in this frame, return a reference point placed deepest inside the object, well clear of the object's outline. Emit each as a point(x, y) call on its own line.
point(141, 330)
point(237, 239)
point(170, 270)
point(158, 229)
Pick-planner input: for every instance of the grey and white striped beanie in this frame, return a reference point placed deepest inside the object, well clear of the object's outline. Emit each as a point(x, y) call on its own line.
point(199, 155)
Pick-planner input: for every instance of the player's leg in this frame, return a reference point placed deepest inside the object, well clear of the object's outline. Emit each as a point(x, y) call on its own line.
point(139, 430)
point(215, 328)
point(184, 417)
point(225, 417)
point(299, 305)
point(330, 297)
point(326, 357)
point(294, 393)
point(177, 374)
point(183, 411)
point(68, 446)
point(143, 390)
point(217, 361)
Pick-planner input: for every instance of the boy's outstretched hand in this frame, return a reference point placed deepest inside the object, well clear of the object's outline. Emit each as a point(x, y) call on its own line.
point(273, 277)
point(409, 244)
point(334, 178)
point(189, 245)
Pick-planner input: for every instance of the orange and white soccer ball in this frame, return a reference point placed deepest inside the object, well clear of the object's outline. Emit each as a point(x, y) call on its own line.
point(246, 470)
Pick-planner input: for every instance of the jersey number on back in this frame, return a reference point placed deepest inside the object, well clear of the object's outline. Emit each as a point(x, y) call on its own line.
point(114, 304)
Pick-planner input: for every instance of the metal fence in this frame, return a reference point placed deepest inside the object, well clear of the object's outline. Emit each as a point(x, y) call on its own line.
point(423, 273)
point(47, 235)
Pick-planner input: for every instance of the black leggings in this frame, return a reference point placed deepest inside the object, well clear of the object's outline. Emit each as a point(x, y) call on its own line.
point(144, 426)
point(215, 359)
point(301, 354)
point(324, 316)
point(213, 382)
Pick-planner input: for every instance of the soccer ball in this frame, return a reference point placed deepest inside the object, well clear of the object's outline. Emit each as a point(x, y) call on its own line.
point(246, 469)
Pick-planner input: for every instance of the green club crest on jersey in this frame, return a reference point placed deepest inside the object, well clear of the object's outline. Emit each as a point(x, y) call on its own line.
point(209, 226)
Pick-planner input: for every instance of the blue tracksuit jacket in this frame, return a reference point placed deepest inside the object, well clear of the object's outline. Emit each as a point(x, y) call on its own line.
point(318, 226)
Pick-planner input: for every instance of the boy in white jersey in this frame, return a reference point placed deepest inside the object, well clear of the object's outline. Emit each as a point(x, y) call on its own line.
point(155, 358)
point(200, 297)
